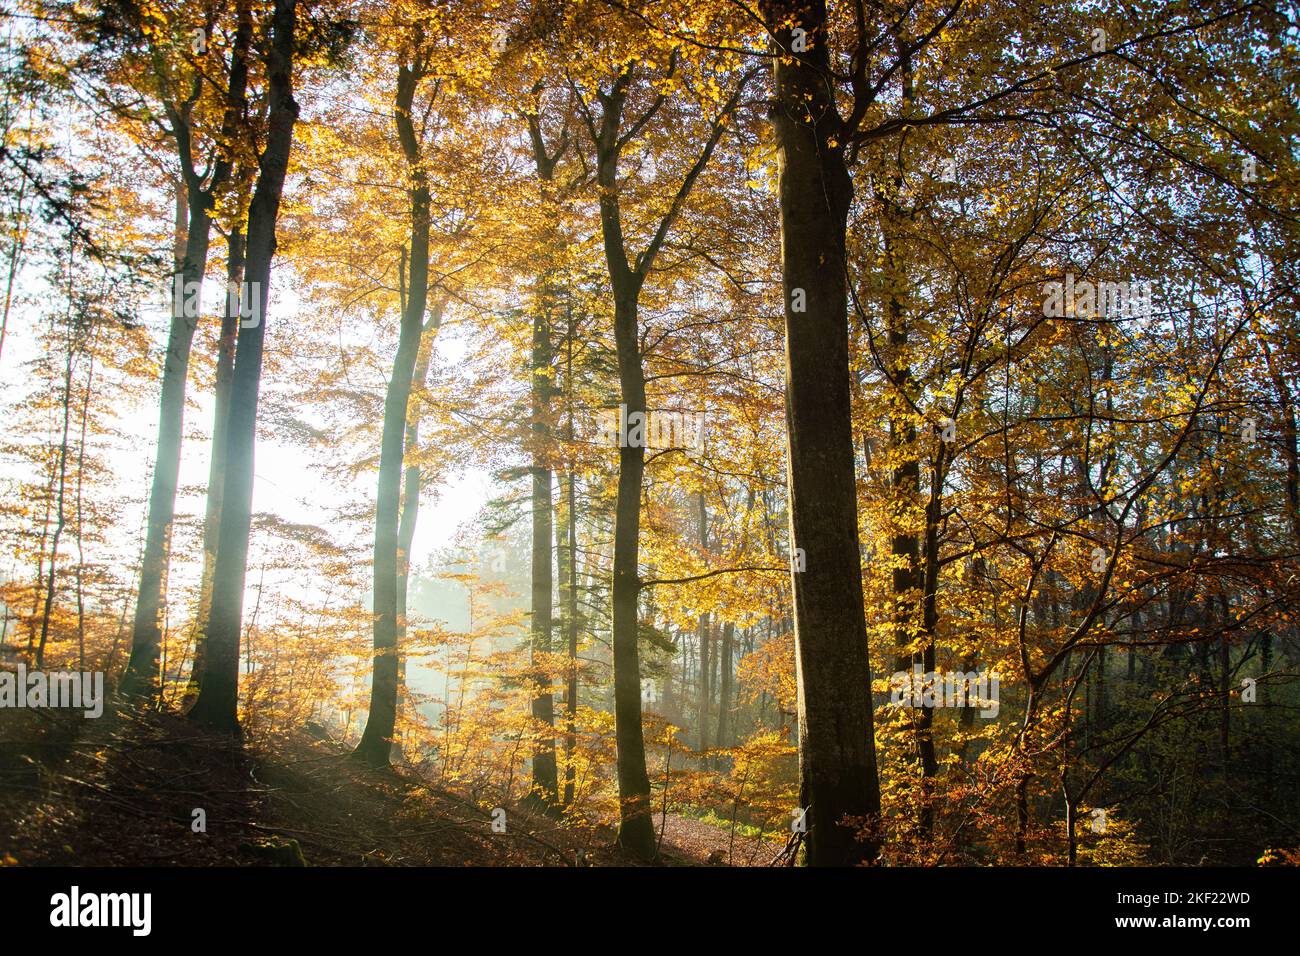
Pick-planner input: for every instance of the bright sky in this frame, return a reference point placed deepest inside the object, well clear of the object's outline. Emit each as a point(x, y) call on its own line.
point(288, 483)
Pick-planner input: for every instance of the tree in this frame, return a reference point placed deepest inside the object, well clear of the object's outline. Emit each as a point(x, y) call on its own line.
point(201, 188)
point(612, 122)
point(836, 736)
point(216, 706)
point(376, 742)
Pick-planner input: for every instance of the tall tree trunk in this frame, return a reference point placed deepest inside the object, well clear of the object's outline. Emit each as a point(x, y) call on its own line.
point(79, 530)
point(706, 668)
point(837, 761)
point(1290, 451)
point(544, 774)
point(225, 374)
point(60, 519)
point(16, 247)
point(636, 832)
point(545, 782)
point(39, 579)
point(376, 741)
point(217, 704)
point(929, 628)
point(142, 674)
point(915, 581)
point(567, 561)
point(411, 488)
point(724, 686)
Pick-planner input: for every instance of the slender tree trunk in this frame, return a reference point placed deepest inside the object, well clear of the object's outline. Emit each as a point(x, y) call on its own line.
point(217, 704)
point(376, 741)
point(545, 784)
point(81, 475)
point(38, 581)
point(142, 675)
point(1290, 451)
point(142, 671)
point(1225, 677)
point(217, 465)
point(636, 832)
point(567, 561)
point(568, 556)
point(916, 576)
point(724, 689)
point(836, 737)
point(16, 247)
point(411, 489)
point(60, 518)
point(544, 780)
point(706, 669)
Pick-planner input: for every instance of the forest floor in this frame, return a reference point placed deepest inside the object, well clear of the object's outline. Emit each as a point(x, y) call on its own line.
point(122, 790)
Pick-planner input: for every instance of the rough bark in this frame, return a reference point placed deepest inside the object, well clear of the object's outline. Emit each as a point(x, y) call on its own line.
point(836, 738)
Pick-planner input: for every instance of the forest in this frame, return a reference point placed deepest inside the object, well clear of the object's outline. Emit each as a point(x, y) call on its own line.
point(760, 433)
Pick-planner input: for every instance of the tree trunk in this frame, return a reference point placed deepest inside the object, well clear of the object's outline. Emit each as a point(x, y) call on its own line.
point(411, 488)
point(544, 773)
point(545, 782)
point(217, 704)
point(79, 529)
point(567, 560)
point(636, 833)
point(1290, 452)
point(706, 669)
point(225, 373)
point(60, 520)
point(376, 741)
point(566, 554)
point(142, 675)
point(836, 738)
point(724, 688)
